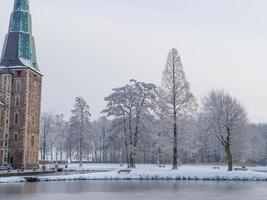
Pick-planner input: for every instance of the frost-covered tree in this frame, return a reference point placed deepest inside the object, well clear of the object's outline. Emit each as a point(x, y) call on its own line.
point(253, 149)
point(204, 137)
point(176, 98)
point(225, 117)
point(70, 141)
point(100, 135)
point(60, 129)
point(80, 124)
point(47, 123)
point(129, 105)
point(188, 143)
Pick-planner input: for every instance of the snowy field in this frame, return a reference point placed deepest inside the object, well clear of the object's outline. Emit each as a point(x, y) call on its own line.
point(153, 172)
point(94, 167)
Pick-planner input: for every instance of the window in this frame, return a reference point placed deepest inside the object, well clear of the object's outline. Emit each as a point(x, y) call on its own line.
point(16, 118)
point(18, 85)
point(17, 101)
point(33, 120)
point(19, 73)
point(16, 136)
point(32, 141)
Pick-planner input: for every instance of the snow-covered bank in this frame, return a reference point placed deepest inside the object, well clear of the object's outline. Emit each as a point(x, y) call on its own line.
point(167, 174)
point(12, 180)
point(92, 167)
point(152, 172)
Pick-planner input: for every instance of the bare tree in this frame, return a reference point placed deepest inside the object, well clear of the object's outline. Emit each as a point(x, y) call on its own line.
point(100, 134)
point(60, 128)
point(47, 121)
point(225, 116)
point(176, 97)
point(80, 123)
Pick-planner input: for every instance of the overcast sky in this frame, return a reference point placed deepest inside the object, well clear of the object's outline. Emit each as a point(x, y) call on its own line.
point(87, 47)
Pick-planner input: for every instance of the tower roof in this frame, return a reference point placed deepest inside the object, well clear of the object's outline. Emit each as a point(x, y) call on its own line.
point(19, 45)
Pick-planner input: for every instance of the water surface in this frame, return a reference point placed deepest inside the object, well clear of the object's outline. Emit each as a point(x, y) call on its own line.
point(135, 190)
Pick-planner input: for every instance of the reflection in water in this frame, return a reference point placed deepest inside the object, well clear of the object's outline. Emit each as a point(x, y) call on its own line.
point(132, 190)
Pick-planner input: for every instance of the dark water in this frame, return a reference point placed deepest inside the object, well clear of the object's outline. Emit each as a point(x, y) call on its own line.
point(135, 190)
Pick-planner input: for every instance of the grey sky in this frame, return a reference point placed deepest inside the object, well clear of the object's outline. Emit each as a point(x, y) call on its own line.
point(87, 47)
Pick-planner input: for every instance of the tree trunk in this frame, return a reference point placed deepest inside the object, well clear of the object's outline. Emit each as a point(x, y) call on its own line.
point(44, 149)
point(175, 147)
point(81, 139)
point(127, 151)
point(131, 163)
point(70, 154)
point(228, 150)
point(229, 157)
point(56, 155)
point(81, 157)
point(125, 141)
point(51, 152)
point(41, 152)
point(131, 160)
point(104, 147)
point(61, 155)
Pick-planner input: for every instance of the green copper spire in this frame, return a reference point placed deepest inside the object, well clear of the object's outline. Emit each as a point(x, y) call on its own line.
point(19, 46)
point(21, 5)
point(20, 18)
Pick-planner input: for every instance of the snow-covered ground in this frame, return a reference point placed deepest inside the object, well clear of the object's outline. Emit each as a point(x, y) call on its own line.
point(93, 167)
point(12, 180)
point(152, 172)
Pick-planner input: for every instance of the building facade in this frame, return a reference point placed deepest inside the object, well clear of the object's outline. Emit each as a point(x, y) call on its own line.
point(20, 93)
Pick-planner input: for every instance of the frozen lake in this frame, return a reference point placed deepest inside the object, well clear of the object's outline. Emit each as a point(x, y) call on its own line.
point(135, 190)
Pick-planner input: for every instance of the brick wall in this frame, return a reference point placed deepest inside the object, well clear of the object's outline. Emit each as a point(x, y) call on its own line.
point(2, 135)
point(25, 118)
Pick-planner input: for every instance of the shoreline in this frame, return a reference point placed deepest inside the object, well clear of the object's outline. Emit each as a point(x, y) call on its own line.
point(187, 173)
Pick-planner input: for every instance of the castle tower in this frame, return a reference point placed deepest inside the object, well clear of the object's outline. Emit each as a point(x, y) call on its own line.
point(20, 93)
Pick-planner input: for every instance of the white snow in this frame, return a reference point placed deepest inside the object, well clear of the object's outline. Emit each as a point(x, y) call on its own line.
point(152, 172)
point(12, 180)
point(92, 167)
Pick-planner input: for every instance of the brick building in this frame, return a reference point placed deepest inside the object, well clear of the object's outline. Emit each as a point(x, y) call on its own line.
point(20, 93)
